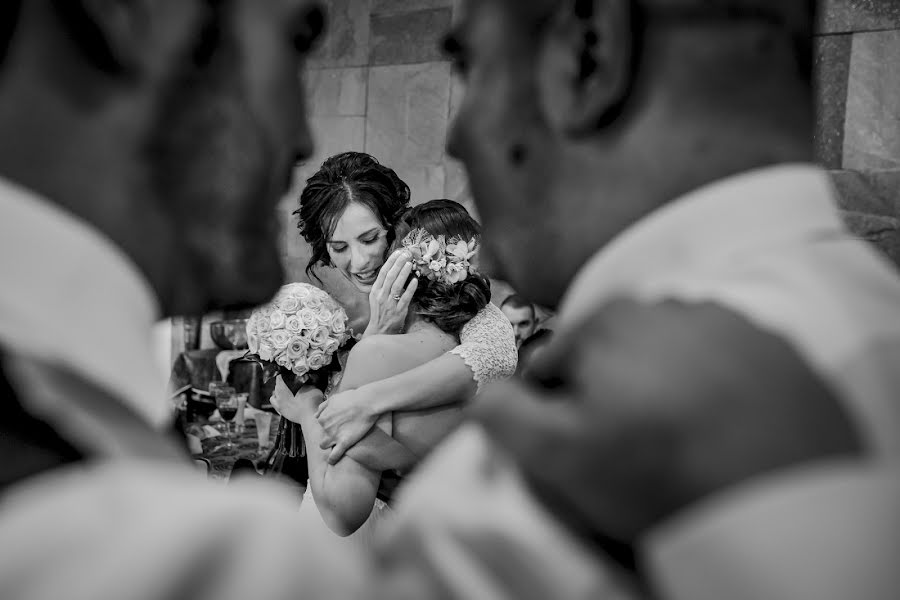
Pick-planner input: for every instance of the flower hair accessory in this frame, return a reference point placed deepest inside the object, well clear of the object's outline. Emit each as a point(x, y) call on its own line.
point(438, 259)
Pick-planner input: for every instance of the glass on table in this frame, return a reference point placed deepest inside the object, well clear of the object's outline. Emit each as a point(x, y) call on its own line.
point(227, 403)
point(263, 429)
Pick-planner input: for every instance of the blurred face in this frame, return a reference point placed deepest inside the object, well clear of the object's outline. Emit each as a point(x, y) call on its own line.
point(358, 245)
point(495, 134)
point(522, 320)
point(230, 127)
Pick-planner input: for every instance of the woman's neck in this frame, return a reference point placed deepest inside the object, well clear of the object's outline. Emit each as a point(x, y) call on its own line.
point(415, 323)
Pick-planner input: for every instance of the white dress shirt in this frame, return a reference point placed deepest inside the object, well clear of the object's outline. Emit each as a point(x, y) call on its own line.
point(72, 298)
point(769, 245)
point(135, 520)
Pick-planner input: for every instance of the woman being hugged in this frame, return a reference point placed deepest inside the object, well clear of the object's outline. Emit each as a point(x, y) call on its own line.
point(441, 238)
point(348, 213)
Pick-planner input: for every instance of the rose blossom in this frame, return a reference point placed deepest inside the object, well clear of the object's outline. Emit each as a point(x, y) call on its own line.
point(331, 346)
point(338, 322)
point(323, 315)
point(266, 351)
point(316, 360)
point(293, 324)
point(282, 360)
point(308, 318)
point(319, 336)
point(276, 319)
point(314, 302)
point(263, 325)
point(297, 348)
point(253, 342)
point(289, 304)
point(280, 339)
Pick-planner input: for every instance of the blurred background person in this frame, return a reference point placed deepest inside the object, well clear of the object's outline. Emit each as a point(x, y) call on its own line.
point(521, 315)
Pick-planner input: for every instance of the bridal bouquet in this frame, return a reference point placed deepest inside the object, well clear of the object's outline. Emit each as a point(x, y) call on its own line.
point(296, 335)
point(299, 330)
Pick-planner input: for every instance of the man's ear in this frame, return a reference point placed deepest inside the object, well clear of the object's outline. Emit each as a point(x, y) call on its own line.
point(585, 65)
point(114, 34)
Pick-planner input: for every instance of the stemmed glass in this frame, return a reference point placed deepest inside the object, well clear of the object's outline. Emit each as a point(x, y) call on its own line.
point(227, 403)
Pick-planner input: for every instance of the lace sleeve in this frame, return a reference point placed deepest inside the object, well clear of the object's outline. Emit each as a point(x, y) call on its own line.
point(488, 346)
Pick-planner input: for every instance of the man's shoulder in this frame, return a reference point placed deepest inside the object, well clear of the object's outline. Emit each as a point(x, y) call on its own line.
point(166, 528)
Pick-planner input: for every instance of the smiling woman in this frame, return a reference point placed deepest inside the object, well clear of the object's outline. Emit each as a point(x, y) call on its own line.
point(349, 211)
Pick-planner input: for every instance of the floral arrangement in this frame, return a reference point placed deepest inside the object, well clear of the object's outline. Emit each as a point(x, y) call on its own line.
point(299, 330)
point(438, 259)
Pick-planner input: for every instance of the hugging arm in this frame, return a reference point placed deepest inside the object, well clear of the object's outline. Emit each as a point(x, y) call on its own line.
point(345, 491)
point(487, 352)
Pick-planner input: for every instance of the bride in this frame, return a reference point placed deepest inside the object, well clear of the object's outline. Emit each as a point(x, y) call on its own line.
point(441, 237)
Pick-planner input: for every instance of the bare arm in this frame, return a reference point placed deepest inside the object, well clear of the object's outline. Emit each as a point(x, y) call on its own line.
point(345, 491)
point(487, 352)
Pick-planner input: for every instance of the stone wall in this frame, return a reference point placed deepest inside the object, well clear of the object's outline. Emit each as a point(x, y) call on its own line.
point(380, 84)
point(858, 101)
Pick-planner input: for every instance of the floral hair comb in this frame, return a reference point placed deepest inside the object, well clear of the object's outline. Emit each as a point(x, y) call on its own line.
point(439, 259)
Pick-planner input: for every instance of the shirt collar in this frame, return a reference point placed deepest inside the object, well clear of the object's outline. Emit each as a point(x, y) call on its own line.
point(73, 297)
point(730, 216)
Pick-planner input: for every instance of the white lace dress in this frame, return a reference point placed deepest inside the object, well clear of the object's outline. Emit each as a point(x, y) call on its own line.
point(488, 347)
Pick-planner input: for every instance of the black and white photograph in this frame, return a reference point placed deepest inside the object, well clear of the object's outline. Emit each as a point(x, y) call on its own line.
point(450, 299)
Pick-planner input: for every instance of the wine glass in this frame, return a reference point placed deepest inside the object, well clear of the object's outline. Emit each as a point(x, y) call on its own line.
point(227, 403)
point(212, 387)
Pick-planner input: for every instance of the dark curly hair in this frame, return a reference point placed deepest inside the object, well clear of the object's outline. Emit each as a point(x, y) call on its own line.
point(448, 306)
point(342, 179)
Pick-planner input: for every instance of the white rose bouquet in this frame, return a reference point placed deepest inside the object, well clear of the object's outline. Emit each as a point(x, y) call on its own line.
point(298, 333)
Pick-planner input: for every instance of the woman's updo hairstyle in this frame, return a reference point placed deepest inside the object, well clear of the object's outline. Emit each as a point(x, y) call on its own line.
point(448, 306)
point(342, 179)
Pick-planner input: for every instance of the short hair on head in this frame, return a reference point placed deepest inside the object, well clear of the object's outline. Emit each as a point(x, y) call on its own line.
point(342, 179)
point(448, 306)
point(517, 301)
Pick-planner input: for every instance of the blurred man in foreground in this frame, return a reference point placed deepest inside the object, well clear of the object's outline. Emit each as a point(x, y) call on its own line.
point(144, 147)
point(726, 357)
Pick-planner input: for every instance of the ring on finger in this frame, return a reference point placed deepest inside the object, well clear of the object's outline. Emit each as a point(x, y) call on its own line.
point(396, 297)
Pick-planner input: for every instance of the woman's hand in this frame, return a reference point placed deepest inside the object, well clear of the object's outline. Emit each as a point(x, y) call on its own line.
point(346, 418)
point(388, 301)
point(295, 407)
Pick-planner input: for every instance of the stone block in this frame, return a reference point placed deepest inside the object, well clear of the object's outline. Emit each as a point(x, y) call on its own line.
point(841, 16)
point(456, 186)
point(333, 135)
point(384, 7)
point(872, 129)
point(337, 92)
point(880, 231)
point(407, 113)
point(426, 182)
point(870, 206)
point(831, 76)
point(458, 94)
point(346, 42)
point(413, 37)
point(874, 192)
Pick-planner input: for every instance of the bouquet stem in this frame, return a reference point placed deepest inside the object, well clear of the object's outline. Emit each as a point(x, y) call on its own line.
point(290, 439)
